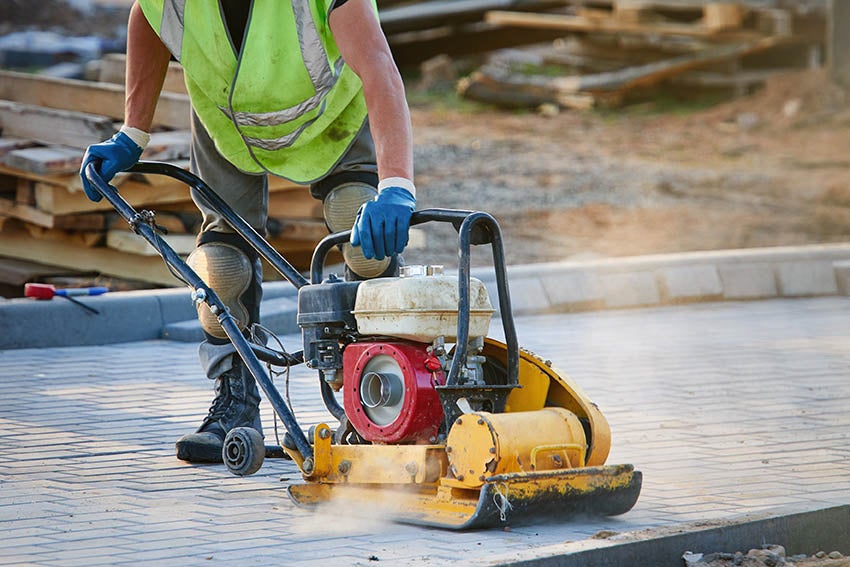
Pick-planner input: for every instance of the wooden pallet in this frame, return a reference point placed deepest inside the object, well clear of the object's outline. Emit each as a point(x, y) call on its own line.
point(45, 216)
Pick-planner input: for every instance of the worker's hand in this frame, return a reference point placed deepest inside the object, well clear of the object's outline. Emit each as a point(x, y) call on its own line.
point(118, 153)
point(382, 224)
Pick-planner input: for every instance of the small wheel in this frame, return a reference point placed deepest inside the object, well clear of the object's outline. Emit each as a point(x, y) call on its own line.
point(243, 451)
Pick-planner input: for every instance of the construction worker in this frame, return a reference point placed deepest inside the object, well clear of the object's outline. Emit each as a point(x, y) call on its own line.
point(278, 88)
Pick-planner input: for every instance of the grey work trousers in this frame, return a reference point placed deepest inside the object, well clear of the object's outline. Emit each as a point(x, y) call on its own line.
point(248, 195)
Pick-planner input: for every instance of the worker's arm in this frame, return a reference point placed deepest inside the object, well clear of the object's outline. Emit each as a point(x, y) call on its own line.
point(147, 63)
point(364, 48)
point(382, 225)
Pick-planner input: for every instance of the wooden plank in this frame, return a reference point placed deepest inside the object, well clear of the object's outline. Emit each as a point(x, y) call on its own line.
point(113, 68)
point(631, 11)
point(132, 243)
point(723, 16)
point(106, 99)
point(87, 239)
point(60, 200)
point(610, 25)
point(25, 192)
point(459, 40)
point(168, 146)
point(499, 84)
point(653, 73)
point(746, 80)
point(44, 161)
point(64, 179)
point(28, 213)
point(54, 126)
point(494, 85)
point(10, 144)
point(10, 208)
point(17, 271)
point(173, 222)
point(297, 229)
point(19, 244)
point(838, 42)
point(294, 204)
point(437, 13)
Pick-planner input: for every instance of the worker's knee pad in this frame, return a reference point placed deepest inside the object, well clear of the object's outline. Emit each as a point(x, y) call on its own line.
point(230, 273)
point(340, 209)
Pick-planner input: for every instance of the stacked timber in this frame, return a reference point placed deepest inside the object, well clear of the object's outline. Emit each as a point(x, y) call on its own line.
point(423, 29)
point(611, 50)
point(49, 226)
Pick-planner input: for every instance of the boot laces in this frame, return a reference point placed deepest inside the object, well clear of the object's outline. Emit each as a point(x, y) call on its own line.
point(220, 403)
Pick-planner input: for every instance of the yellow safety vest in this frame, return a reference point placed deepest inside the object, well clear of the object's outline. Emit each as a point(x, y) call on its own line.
point(286, 103)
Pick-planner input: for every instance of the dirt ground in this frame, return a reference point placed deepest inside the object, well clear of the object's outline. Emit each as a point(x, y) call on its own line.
point(769, 556)
point(769, 169)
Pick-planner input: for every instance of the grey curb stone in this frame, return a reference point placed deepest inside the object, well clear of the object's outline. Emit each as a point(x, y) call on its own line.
point(612, 283)
point(126, 316)
point(691, 283)
point(799, 531)
point(842, 276)
point(807, 278)
point(755, 273)
point(576, 289)
point(749, 281)
point(630, 289)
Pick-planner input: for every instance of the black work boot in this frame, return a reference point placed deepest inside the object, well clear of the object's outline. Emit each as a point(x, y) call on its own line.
point(236, 404)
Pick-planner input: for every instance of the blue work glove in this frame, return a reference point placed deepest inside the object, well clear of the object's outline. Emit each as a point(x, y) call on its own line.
point(118, 153)
point(382, 224)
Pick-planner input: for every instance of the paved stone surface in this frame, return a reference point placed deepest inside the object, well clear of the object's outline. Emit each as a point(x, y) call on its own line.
point(727, 408)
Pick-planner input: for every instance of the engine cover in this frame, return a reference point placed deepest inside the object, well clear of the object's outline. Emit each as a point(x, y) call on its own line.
point(389, 394)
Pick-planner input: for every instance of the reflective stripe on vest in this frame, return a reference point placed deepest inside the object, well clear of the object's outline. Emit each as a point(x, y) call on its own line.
point(171, 29)
point(313, 54)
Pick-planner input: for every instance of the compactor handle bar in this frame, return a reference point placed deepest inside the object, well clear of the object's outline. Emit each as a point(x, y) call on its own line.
point(144, 226)
point(474, 228)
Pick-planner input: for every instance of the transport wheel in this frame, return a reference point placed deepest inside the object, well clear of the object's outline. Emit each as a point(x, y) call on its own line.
point(243, 451)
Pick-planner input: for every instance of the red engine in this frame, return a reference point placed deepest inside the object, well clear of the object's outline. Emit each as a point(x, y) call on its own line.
point(388, 391)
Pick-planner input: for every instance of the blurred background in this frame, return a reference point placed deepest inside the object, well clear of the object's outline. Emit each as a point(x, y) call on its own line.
point(589, 128)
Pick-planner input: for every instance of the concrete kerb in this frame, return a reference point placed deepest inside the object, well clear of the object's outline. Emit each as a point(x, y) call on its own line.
point(122, 317)
point(663, 279)
point(613, 283)
point(805, 531)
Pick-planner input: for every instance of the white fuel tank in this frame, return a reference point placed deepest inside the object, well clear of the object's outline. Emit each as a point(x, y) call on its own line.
point(419, 308)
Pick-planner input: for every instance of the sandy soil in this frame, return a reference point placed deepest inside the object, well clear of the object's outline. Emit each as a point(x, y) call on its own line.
point(766, 170)
point(769, 556)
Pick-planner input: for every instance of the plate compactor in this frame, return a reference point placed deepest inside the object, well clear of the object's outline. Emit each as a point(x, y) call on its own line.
point(439, 425)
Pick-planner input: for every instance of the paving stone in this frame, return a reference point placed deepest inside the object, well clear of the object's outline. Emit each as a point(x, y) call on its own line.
point(677, 384)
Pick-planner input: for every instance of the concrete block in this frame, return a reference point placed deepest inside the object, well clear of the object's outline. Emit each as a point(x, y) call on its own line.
point(278, 315)
point(183, 331)
point(121, 317)
point(842, 276)
point(807, 278)
point(630, 289)
point(573, 290)
point(748, 281)
point(528, 296)
point(691, 283)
